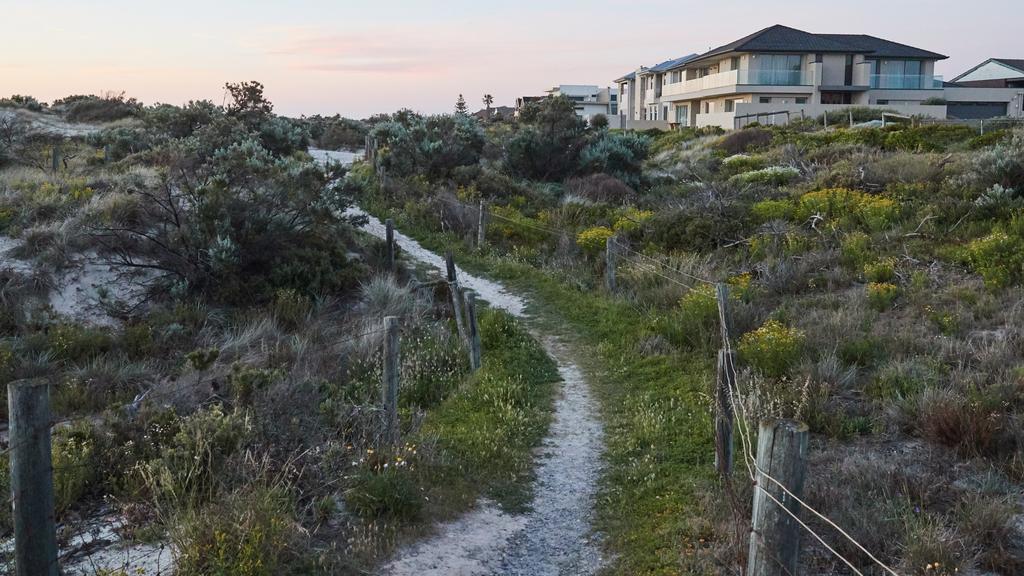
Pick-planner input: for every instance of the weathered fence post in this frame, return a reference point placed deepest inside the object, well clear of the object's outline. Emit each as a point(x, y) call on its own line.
point(981, 126)
point(609, 264)
point(481, 225)
point(775, 534)
point(474, 331)
point(106, 153)
point(725, 383)
point(851, 117)
point(456, 294)
point(390, 383)
point(35, 535)
point(389, 238)
point(55, 157)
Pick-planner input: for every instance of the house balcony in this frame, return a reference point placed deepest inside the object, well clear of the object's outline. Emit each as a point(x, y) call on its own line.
point(906, 82)
point(726, 82)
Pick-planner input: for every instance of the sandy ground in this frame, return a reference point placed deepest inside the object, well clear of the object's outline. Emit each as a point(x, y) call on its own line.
point(555, 537)
point(50, 124)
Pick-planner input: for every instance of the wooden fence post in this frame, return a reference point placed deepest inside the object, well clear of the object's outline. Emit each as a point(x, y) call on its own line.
point(609, 264)
point(55, 157)
point(775, 534)
point(851, 117)
point(35, 534)
point(456, 295)
point(389, 237)
point(474, 332)
point(481, 225)
point(725, 324)
point(390, 383)
point(725, 383)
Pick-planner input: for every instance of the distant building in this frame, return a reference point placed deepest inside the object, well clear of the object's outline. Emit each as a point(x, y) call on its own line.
point(496, 113)
point(588, 100)
point(994, 73)
point(781, 72)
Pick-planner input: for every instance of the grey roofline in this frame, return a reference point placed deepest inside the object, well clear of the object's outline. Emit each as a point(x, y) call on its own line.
point(1002, 61)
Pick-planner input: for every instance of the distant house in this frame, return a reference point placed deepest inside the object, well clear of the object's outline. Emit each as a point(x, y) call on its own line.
point(496, 113)
point(588, 100)
point(781, 72)
point(994, 73)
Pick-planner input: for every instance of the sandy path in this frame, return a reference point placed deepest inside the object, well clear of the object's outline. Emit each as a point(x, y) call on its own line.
point(555, 537)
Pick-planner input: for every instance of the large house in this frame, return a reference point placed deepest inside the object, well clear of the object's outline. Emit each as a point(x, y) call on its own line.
point(781, 72)
point(588, 100)
point(993, 88)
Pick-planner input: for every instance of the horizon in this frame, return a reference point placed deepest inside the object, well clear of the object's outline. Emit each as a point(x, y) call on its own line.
point(316, 57)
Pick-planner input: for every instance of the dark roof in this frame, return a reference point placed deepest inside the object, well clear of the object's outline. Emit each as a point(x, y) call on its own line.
point(670, 64)
point(1011, 62)
point(629, 76)
point(779, 38)
point(881, 47)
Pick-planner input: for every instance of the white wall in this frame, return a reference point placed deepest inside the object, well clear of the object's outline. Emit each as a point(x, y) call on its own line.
point(991, 71)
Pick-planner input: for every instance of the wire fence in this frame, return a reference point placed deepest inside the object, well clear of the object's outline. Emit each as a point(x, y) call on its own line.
point(737, 398)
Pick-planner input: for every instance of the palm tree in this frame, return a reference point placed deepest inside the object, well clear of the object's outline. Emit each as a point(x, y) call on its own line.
point(488, 100)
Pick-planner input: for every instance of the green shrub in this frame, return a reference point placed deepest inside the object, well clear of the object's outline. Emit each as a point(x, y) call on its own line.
point(856, 249)
point(998, 258)
point(73, 466)
point(883, 270)
point(740, 141)
point(881, 295)
point(251, 532)
point(770, 176)
point(618, 154)
point(773, 348)
point(385, 486)
point(768, 210)
point(741, 163)
point(594, 240)
point(848, 208)
point(697, 321)
point(928, 138)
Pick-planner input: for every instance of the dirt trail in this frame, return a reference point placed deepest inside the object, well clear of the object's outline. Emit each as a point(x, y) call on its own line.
point(555, 537)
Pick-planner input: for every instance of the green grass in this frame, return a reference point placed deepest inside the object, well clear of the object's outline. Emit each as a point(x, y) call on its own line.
point(659, 449)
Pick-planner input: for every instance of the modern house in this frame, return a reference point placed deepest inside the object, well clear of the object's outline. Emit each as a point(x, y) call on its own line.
point(588, 100)
point(991, 89)
point(780, 72)
point(640, 94)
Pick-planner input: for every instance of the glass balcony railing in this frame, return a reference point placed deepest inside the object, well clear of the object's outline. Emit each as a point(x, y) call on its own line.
point(906, 81)
point(774, 77)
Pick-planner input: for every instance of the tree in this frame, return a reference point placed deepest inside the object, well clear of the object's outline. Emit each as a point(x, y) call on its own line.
point(460, 106)
point(599, 121)
point(488, 101)
point(248, 101)
point(548, 143)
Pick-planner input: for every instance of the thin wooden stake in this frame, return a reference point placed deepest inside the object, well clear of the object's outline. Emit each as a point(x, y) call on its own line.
point(456, 295)
point(35, 534)
point(775, 534)
point(390, 384)
point(474, 332)
point(55, 158)
point(609, 264)
point(481, 225)
point(389, 238)
point(722, 296)
point(726, 382)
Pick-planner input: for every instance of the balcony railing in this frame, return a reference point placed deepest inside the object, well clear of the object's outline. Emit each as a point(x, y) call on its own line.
point(906, 81)
point(741, 77)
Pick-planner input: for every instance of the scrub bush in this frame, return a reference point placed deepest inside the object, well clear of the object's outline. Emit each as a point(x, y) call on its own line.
point(773, 348)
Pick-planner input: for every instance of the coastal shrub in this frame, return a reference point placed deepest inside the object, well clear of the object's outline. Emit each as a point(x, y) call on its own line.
point(881, 295)
point(594, 240)
point(73, 465)
point(741, 141)
point(106, 108)
point(631, 219)
point(928, 138)
point(697, 322)
point(770, 176)
point(998, 258)
point(855, 249)
point(385, 484)
point(848, 208)
point(433, 146)
point(251, 532)
point(883, 270)
point(773, 348)
point(548, 142)
point(1001, 164)
point(768, 210)
point(741, 163)
point(620, 154)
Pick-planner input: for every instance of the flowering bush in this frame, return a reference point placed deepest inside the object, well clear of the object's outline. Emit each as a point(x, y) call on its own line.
point(848, 208)
point(772, 348)
point(768, 210)
point(771, 176)
point(631, 219)
point(880, 271)
point(881, 295)
point(998, 257)
point(593, 240)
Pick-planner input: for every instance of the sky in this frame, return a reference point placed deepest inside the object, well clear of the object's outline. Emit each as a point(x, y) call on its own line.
point(360, 57)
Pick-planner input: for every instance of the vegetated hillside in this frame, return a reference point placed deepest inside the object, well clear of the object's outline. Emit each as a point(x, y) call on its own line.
point(211, 323)
point(875, 278)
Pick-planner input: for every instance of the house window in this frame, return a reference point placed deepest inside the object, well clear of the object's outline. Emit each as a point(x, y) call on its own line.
point(729, 106)
point(734, 63)
point(801, 100)
point(765, 99)
point(775, 69)
point(683, 115)
point(882, 102)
